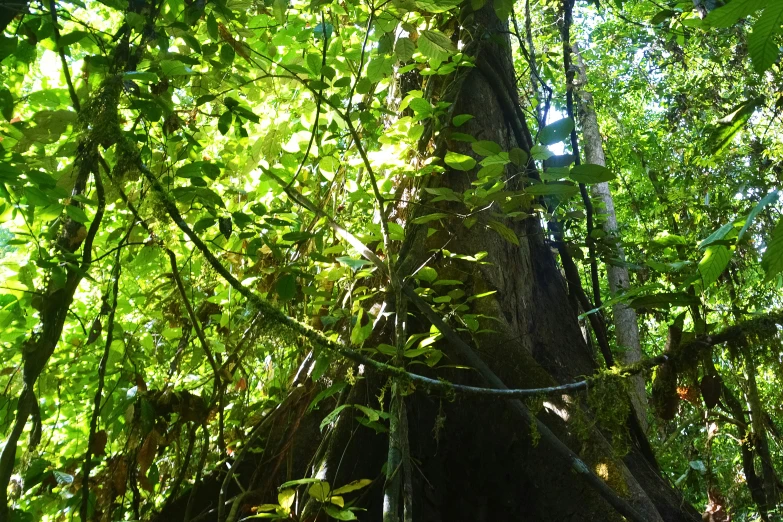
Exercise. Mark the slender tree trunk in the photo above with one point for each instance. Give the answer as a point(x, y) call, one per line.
point(626, 327)
point(769, 477)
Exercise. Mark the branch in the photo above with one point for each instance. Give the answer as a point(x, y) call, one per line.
point(96, 410)
point(61, 51)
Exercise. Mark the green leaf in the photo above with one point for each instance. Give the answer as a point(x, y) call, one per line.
point(727, 15)
point(360, 332)
point(563, 190)
point(354, 264)
point(772, 260)
point(320, 491)
point(666, 239)
point(224, 123)
point(485, 148)
point(339, 514)
point(518, 156)
point(6, 104)
point(716, 259)
point(72, 38)
point(762, 47)
point(504, 232)
point(212, 27)
point(460, 119)
point(286, 498)
point(556, 132)
point(436, 45)
point(727, 127)
point(302, 481)
point(718, 235)
point(437, 6)
point(286, 287)
point(430, 217)
point(379, 68)
point(352, 486)
point(175, 68)
point(9, 173)
point(279, 8)
point(427, 274)
point(590, 173)
point(298, 236)
point(459, 161)
point(404, 49)
point(540, 152)
point(76, 214)
point(766, 200)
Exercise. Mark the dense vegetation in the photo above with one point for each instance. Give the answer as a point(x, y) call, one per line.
point(237, 235)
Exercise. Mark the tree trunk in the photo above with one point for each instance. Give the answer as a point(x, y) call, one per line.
point(626, 328)
point(474, 460)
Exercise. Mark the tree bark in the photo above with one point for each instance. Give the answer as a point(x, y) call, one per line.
point(474, 459)
point(626, 327)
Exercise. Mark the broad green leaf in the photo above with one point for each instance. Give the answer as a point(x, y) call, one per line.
point(716, 259)
point(727, 127)
point(379, 68)
point(352, 486)
point(9, 173)
point(224, 123)
point(667, 239)
point(436, 45)
point(556, 131)
point(329, 166)
point(459, 161)
point(590, 173)
point(286, 287)
point(540, 152)
point(175, 68)
point(461, 119)
point(427, 274)
point(360, 332)
point(302, 481)
point(564, 190)
point(77, 214)
point(354, 264)
point(766, 200)
point(718, 235)
point(279, 8)
point(430, 217)
point(727, 15)
point(518, 156)
point(437, 6)
point(404, 49)
point(339, 514)
point(320, 491)
point(286, 498)
point(485, 148)
point(772, 260)
point(504, 232)
point(762, 45)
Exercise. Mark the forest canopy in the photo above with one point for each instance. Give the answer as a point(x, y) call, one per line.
point(391, 260)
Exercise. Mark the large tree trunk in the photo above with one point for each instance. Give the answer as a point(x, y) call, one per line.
point(474, 459)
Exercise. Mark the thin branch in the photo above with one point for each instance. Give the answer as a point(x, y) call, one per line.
point(61, 51)
point(113, 292)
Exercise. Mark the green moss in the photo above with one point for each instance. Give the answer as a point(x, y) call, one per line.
point(608, 399)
